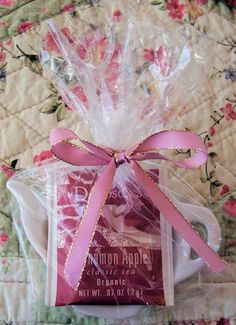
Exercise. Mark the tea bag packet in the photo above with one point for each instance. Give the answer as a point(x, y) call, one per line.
point(117, 233)
point(124, 264)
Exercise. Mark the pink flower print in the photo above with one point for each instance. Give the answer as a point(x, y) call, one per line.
point(225, 189)
point(159, 57)
point(44, 155)
point(117, 16)
point(212, 131)
point(161, 60)
point(8, 42)
point(209, 144)
point(228, 111)
point(6, 3)
point(3, 238)
point(81, 51)
point(2, 56)
point(71, 38)
point(94, 41)
point(8, 171)
point(148, 55)
point(94, 45)
point(79, 95)
point(176, 10)
point(49, 43)
point(115, 60)
point(230, 207)
point(112, 71)
point(69, 7)
point(24, 26)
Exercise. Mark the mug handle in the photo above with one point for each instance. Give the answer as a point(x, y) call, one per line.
point(184, 266)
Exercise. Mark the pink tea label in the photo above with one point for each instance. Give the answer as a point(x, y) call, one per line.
point(124, 265)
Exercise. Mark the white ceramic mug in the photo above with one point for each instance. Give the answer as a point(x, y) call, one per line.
point(184, 266)
point(35, 225)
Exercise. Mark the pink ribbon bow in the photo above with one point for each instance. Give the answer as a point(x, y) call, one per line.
point(97, 156)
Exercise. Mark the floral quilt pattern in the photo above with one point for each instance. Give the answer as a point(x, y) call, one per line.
point(21, 30)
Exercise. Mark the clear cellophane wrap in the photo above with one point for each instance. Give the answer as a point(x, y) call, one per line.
point(127, 80)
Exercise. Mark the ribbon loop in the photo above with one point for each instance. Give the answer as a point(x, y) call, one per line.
point(97, 156)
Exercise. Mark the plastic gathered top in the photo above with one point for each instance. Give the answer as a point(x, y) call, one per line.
point(125, 78)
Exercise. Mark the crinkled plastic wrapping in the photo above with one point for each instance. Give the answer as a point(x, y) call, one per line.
point(127, 80)
point(134, 258)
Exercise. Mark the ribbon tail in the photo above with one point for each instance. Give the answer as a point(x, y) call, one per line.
point(177, 220)
point(79, 249)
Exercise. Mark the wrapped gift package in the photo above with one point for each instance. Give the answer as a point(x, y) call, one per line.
point(105, 216)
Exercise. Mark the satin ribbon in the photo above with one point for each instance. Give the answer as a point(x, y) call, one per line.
point(93, 155)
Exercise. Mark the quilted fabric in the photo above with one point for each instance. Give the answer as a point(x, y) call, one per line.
point(17, 16)
point(30, 107)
